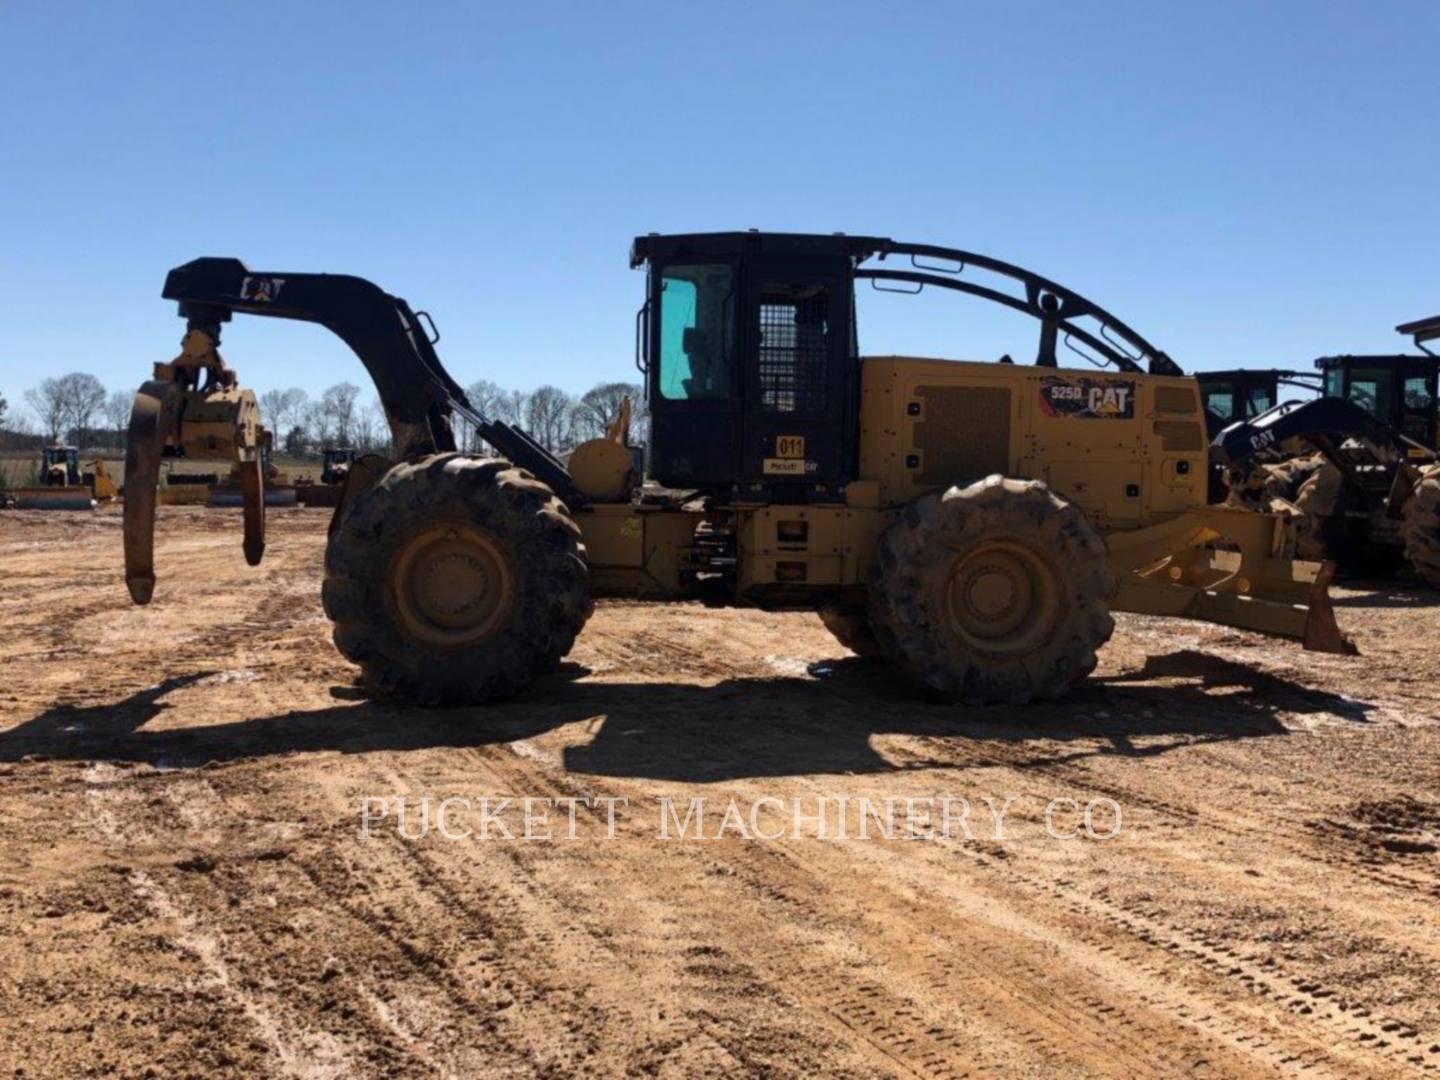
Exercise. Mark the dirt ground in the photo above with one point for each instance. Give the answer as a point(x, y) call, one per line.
point(186, 888)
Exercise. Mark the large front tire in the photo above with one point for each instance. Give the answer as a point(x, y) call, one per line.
point(455, 580)
point(850, 626)
point(1422, 526)
point(997, 593)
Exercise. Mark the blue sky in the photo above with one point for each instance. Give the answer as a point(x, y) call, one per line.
point(1243, 183)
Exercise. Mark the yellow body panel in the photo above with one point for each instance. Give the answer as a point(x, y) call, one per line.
point(636, 551)
point(1129, 449)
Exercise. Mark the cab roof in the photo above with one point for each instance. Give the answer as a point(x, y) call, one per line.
point(655, 246)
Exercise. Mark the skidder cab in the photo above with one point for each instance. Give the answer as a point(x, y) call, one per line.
point(973, 522)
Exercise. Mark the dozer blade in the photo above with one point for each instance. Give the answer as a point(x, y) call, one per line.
point(231, 495)
point(53, 498)
point(1227, 566)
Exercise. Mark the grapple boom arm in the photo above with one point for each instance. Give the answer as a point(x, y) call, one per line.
point(395, 343)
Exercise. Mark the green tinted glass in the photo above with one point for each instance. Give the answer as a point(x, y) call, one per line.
point(696, 331)
point(1221, 403)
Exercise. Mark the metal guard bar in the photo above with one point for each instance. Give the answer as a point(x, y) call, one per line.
point(1038, 292)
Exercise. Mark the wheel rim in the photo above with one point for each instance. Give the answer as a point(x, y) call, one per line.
point(452, 585)
point(1002, 597)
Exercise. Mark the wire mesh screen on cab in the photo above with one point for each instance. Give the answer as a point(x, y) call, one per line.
point(794, 346)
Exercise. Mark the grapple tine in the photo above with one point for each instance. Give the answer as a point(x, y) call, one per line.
point(151, 419)
point(252, 488)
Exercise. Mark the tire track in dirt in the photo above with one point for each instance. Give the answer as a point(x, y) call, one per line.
point(935, 1037)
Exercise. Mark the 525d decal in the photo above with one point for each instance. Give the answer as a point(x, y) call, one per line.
point(1088, 399)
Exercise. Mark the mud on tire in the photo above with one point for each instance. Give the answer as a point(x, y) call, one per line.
point(1422, 526)
point(994, 593)
point(455, 580)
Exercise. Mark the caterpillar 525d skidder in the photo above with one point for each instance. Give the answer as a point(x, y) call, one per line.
point(975, 523)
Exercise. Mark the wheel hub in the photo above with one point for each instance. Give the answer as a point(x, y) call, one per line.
point(1002, 597)
point(452, 585)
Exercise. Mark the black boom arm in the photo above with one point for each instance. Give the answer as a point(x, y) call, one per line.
point(1324, 423)
point(417, 393)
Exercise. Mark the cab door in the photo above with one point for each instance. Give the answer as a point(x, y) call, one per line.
point(801, 374)
point(694, 382)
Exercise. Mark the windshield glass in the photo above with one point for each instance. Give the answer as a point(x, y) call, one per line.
point(697, 334)
point(1373, 389)
point(1419, 409)
point(1334, 382)
point(1220, 400)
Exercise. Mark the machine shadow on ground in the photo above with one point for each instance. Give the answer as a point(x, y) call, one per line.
point(738, 728)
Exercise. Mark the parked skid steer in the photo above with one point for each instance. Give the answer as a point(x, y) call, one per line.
point(974, 523)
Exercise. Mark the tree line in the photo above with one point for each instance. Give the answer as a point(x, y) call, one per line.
point(77, 409)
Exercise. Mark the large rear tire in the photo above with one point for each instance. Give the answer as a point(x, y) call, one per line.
point(455, 580)
point(997, 593)
point(851, 628)
point(1422, 526)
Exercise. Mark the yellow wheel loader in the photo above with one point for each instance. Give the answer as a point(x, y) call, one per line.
point(973, 523)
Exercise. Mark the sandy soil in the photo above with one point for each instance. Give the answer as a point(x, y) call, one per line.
point(185, 889)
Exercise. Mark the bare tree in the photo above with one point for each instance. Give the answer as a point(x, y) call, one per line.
point(4, 406)
point(372, 430)
point(84, 397)
point(284, 410)
point(382, 441)
point(599, 406)
point(338, 405)
point(547, 416)
point(117, 414)
point(512, 406)
point(315, 422)
point(47, 402)
point(485, 396)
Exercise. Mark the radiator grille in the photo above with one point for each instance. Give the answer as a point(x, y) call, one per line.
point(1175, 399)
point(963, 433)
point(1180, 435)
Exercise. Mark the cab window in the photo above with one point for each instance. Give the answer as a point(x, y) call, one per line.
point(1221, 403)
point(1334, 382)
point(1419, 409)
point(1417, 395)
point(1373, 389)
point(1259, 401)
point(697, 338)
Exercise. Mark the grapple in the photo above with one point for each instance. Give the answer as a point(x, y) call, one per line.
point(191, 408)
